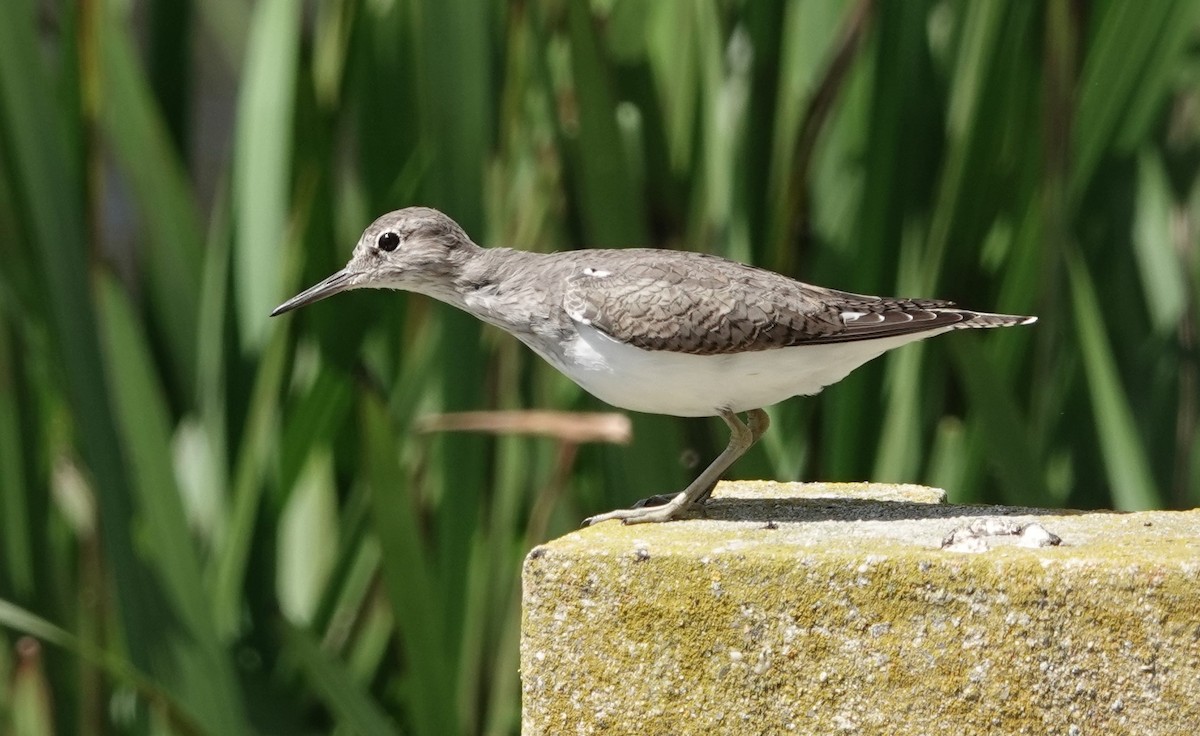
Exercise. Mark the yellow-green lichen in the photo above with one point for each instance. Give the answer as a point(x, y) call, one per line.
point(859, 622)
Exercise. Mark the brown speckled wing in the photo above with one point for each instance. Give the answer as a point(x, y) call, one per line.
point(705, 305)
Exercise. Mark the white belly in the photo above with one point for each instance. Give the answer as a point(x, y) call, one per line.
point(659, 382)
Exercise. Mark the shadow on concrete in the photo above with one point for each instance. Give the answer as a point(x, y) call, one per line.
point(799, 510)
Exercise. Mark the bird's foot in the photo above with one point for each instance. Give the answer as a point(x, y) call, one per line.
point(663, 499)
point(660, 499)
point(671, 507)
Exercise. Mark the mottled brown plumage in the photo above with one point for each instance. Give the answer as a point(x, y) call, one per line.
point(706, 305)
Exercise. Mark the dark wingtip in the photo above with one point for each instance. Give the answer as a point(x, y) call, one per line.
point(985, 319)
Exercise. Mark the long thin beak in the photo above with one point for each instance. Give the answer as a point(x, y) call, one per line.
point(335, 284)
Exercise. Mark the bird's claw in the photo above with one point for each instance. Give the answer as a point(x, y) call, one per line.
point(644, 512)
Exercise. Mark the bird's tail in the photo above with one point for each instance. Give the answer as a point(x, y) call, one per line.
point(987, 319)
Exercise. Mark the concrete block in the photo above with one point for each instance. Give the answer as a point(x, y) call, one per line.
point(865, 608)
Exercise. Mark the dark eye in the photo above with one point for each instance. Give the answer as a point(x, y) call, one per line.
point(388, 241)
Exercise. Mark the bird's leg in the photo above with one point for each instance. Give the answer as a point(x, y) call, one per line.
point(741, 437)
point(758, 422)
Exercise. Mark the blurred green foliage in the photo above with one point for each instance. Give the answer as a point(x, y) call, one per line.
point(213, 522)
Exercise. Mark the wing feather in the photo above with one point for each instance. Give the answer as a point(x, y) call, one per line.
point(705, 305)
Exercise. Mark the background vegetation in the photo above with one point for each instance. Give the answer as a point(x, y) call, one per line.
point(213, 522)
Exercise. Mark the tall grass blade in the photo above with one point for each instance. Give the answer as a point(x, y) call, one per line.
point(409, 576)
point(612, 211)
point(261, 164)
point(172, 254)
point(997, 419)
point(16, 519)
point(31, 710)
point(1163, 283)
point(353, 708)
point(123, 671)
point(307, 539)
point(228, 572)
point(1125, 72)
point(204, 674)
point(48, 188)
point(1131, 482)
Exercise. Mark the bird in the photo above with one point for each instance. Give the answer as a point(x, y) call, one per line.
point(651, 330)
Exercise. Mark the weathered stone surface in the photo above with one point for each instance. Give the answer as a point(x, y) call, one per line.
point(824, 611)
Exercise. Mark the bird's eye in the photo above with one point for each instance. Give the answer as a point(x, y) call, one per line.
point(388, 241)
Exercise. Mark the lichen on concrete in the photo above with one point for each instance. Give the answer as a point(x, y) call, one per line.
point(832, 608)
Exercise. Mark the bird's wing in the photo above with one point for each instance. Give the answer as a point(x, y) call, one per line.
point(704, 305)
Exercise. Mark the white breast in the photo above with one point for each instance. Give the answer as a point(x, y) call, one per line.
point(660, 382)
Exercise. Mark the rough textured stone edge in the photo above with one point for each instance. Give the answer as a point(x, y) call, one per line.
point(856, 620)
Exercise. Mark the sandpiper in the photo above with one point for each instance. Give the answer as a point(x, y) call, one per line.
point(656, 331)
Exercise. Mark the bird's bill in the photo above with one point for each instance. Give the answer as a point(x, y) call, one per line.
point(335, 284)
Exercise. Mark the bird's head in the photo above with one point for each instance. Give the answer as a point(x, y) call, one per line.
point(414, 249)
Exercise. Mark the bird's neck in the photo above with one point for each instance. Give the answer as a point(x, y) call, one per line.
point(502, 286)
